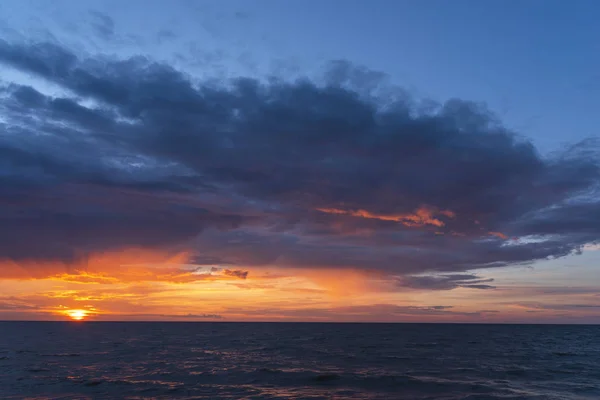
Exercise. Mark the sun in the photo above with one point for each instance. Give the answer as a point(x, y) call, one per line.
point(77, 315)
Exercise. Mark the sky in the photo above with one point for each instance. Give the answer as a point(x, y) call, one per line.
point(386, 161)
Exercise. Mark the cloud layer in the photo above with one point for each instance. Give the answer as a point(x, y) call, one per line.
point(343, 172)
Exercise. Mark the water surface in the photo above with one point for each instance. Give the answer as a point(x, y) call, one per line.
point(104, 360)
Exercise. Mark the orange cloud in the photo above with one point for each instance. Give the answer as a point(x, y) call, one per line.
point(131, 265)
point(499, 235)
point(421, 217)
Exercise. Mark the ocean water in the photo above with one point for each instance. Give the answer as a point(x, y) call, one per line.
point(105, 360)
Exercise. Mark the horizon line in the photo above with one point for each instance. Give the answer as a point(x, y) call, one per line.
point(314, 322)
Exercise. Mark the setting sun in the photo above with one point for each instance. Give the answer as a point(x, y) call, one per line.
point(77, 315)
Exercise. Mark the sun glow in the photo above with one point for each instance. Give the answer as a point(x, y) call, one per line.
point(77, 315)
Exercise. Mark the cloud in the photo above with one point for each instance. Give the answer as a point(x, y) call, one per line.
point(236, 273)
point(165, 35)
point(445, 282)
point(540, 307)
point(554, 290)
point(420, 218)
point(591, 247)
point(192, 316)
point(371, 312)
point(14, 304)
point(123, 266)
point(103, 25)
point(345, 172)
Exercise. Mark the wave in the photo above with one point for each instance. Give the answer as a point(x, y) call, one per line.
point(292, 361)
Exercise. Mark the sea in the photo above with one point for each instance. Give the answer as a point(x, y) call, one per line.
point(222, 360)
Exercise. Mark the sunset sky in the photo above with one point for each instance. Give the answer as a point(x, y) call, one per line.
point(266, 160)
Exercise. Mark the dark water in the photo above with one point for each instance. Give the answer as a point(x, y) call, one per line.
point(297, 361)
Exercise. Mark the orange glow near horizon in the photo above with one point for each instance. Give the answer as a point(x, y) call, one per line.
point(143, 286)
point(77, 315)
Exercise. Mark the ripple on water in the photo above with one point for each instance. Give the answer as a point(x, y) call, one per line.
point(293, 361)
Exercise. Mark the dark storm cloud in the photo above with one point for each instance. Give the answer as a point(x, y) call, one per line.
point(346, 172)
